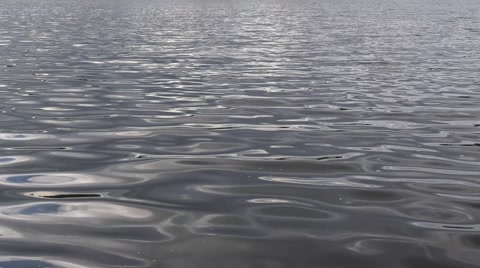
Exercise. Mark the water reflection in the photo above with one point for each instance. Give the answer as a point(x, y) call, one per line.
point(239, 134)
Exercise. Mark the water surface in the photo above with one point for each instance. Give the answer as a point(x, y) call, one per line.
point(258, 133)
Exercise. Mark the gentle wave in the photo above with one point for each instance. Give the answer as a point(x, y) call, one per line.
point(239, 134)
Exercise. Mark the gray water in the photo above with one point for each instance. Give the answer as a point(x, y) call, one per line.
point(257, 133)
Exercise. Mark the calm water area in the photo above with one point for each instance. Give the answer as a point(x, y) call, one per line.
point(239, 134)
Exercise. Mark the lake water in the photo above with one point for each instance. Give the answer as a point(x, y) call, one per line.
point(239, 134)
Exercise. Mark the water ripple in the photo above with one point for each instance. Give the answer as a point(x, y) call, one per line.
point(239, 134)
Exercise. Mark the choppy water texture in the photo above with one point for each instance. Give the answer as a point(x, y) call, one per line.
point(238, 134)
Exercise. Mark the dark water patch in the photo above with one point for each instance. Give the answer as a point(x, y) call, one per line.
point(458, 227)
point(37, 148)
point(471, 240)
point(59, 195)
point(376, 195)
